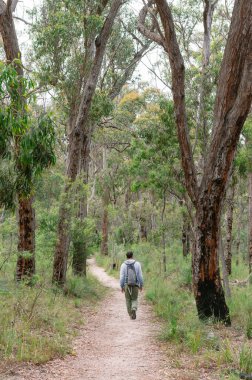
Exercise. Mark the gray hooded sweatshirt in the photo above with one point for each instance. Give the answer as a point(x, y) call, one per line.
point(123, 273)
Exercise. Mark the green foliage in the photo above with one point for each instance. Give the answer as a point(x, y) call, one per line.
point(13, 120)
point(62, 35)
point(83, 231)
point(84, 288)
point(36, 153)
point(246, 359)
point(27, 141)
point(102, 106)
point(7, 184)
point(155, 152)
point(5, 134)
point(241, 308)
point(14, 95)
point(123, 234)
point(243, 159)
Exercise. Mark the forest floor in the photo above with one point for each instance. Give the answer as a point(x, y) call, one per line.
point(112, 346)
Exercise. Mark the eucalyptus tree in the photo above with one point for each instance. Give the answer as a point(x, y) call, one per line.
point(232, 104)
point(79, 55)
point(32, 146)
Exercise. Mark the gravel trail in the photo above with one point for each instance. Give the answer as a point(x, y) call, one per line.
point(110, 346)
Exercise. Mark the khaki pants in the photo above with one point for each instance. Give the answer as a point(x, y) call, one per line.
point(131, 295)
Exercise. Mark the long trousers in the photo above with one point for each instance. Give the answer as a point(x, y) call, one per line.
point(131, 296)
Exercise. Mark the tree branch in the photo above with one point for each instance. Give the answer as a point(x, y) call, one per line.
point(24, 21)
point(11, 5)
point(131, 33)
point(128, 72)
point(155, 37)
point(2, 7)
point(82, 125)
point(233, 98)
point(178, 89)
point(156, 75)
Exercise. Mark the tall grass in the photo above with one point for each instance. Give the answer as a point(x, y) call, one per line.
point(38, 323)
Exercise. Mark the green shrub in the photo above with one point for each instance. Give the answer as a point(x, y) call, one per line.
point(83, 287)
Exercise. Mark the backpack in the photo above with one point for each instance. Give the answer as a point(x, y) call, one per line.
point(131, 277)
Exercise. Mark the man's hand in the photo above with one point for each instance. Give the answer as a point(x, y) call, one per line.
point(141, 289)
point(122, 289)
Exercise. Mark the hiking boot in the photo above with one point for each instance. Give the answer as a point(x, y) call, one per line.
point(133, 314)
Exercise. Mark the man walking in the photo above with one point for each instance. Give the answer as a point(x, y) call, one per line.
point(131, 280)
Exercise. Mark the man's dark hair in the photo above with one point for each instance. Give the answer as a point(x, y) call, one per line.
point(129, 255)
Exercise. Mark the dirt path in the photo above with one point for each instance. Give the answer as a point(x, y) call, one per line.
point(110, 345)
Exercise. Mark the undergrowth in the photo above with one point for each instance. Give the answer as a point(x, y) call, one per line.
point(38, 323)
point(171, 295)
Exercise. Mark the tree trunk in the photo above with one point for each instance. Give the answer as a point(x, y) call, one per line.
point(62, 245)
point(229, 226)
point(26, 245)
point(79, 264)
point(142, 229)
point(250, 221)
point(208, 291)
point(78, 134)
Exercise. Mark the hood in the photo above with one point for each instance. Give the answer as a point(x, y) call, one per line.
point(130, 261)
